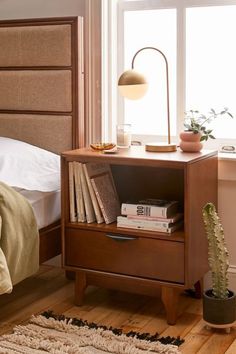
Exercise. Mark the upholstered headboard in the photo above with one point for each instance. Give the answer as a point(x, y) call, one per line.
point(41, 82)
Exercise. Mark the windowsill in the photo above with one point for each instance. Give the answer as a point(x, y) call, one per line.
point(226, 166)
point(226, 156)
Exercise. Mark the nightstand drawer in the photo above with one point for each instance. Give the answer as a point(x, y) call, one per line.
point(129, 255)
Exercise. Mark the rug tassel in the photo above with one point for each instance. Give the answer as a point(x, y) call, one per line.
point(143, 336)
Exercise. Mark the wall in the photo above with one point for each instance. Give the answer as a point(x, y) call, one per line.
point(15, 9)
point(227, 212)
point(227, 209)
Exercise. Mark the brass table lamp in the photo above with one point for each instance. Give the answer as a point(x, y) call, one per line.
point(133, 85)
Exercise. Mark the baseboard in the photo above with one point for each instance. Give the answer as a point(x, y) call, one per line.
point(232, 279)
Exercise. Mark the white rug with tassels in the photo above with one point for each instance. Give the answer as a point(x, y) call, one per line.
point(49, 335)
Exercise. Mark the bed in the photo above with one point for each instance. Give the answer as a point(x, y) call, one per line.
point(42, 94)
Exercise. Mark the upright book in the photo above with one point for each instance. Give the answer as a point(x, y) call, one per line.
point(81, 216)
point(151, 208)
point(91, 170)
point(89, 210)
point(72, 193)
point(105, 191)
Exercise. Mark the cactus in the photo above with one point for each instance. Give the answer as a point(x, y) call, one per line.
point(218, 256)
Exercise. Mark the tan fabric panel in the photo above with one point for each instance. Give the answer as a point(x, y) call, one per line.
point(35, 46)
point(38, 90)
point(53, 133)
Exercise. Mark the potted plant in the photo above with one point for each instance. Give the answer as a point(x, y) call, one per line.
point(195, 129)
point(219, 303)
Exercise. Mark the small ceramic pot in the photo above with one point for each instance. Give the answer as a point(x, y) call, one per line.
point(190, 142)
point(219, 311)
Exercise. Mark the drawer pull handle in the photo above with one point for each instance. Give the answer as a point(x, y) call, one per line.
point(121, 237)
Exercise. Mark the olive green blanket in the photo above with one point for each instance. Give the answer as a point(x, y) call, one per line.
point(19, 240)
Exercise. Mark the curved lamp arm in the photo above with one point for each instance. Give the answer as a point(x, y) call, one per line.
point(167, 83)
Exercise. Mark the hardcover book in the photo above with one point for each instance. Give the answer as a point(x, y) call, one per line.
point(151, 208)
point(107, 197)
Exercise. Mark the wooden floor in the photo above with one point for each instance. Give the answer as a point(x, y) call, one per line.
point(49, 289)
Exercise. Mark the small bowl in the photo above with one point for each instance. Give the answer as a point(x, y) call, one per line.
point(102, 146)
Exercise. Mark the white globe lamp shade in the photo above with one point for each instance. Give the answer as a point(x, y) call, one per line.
point(132, 85)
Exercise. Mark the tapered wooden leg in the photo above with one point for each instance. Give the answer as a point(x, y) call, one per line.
point(80, 286)
point(198, 286)
point(170, 297)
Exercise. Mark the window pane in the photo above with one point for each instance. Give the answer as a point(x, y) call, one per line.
point(210, 63)
point(155, 28)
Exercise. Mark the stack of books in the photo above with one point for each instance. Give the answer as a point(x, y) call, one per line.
point(151, 214)
point(92, 193)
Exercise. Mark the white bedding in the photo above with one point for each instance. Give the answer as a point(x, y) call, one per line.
point(46, 205)
point(27, 166)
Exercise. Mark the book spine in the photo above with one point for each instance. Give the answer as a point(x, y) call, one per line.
point(175, 218)
point(145, 210)
point(81, 217)
point(72, 193)
point(142, 222)
point(97, 209)
point(145, 227)
point(107, 221)
point(90, 214)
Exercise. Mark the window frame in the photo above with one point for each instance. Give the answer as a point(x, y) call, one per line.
point(115, 10)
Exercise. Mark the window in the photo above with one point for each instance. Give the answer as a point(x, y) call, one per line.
point(160, 32)
point(210, 63)
point(197, 38)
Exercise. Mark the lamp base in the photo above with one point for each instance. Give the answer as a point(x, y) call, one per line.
point(160, 147)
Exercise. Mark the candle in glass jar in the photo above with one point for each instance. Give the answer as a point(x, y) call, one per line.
point(124, 135)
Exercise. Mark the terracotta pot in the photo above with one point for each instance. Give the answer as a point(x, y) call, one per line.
point(219, 311)
point(190, 142)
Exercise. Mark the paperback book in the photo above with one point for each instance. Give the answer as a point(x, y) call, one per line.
point(148, 225)
point(81, 217)
point(170, 220)
point(72, 193)
point(89, 210)
point(91, 170)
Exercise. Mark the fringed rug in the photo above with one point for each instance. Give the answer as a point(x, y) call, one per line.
point(49, 333)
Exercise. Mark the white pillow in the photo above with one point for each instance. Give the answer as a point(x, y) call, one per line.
point(26, 166)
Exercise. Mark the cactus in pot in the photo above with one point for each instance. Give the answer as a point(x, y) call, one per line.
point(218, 256)
point(219, 303)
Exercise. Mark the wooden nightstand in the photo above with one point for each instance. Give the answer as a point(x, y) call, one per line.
point(135, 260)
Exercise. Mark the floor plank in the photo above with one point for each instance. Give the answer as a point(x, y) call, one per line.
point(49, 289)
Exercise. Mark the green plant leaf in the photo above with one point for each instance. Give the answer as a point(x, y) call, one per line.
point(196, 121)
